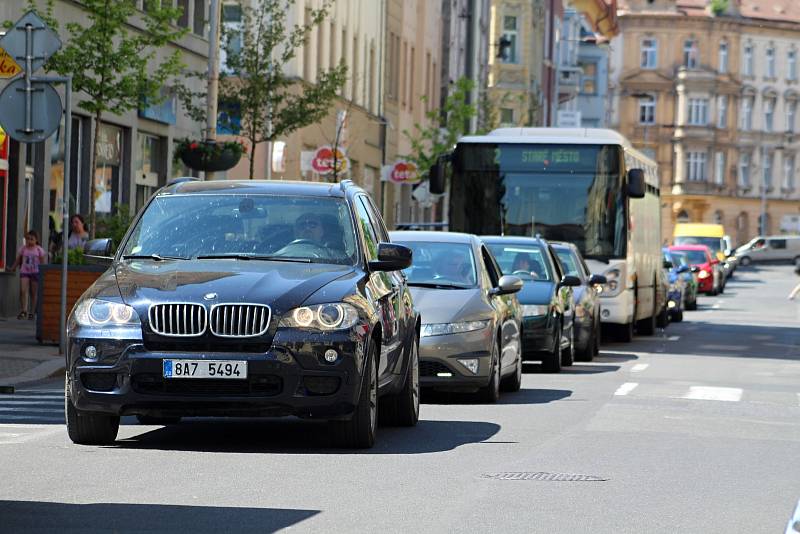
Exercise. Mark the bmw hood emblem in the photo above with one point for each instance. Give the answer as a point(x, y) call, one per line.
point(209, 296)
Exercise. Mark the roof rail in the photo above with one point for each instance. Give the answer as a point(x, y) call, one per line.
point(344, 184)
point(181, 179)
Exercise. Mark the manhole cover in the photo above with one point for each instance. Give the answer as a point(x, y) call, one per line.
point(547, 477)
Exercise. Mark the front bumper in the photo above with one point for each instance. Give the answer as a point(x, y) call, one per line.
point(291, 378)
point(439, 360)
point(618, 309)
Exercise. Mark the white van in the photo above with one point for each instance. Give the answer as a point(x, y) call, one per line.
point(776, 248)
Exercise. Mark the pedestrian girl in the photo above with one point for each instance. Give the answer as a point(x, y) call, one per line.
point(30, 256)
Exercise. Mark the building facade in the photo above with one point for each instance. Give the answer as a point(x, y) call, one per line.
point(135, 151)
point(712, 97)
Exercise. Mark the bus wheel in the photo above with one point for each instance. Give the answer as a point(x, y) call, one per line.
point(625, 332)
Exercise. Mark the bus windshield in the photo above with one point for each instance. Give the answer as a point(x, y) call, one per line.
point(570, 193)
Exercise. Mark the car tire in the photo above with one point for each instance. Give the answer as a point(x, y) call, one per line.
point(359, 431)
point(597, 336)
point(490, 393)
point(677, 317)
point(692, 305)
point(663, 318)
point(568, 356)
point(86, 428)
point(745, 261)
point(402, 409)
point(551, 361)
point(588, 352)
point(625, 332)
point(152, 420)
point(647, 326)
point(514, 382)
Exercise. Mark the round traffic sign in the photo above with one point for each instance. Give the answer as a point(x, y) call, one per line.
point(46, 111)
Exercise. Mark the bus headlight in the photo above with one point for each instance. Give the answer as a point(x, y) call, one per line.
point(615, 281)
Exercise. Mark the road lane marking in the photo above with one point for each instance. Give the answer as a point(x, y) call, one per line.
point(714, 393)
point(673, 338)
point(793, 527)
point(715, 306)
point(639, 367)
point(798, 398)
point(55, 409)
point(626, 388)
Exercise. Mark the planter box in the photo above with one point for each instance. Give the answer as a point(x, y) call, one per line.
point(48, 313)
point(197, 160)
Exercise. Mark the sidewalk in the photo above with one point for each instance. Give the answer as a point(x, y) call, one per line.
point(22, 358)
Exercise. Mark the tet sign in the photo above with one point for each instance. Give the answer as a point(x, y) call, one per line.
point(325, 158)
point(402, 172)
point(8, 67)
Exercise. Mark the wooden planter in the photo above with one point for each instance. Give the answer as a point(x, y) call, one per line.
point(48, 313)
point(197, 160)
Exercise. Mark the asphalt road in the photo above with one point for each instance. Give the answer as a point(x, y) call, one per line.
point(694, 430)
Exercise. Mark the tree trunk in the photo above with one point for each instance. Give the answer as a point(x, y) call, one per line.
point(252, 159)
point(92, 177)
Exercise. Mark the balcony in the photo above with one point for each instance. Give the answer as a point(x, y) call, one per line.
point(569, 82)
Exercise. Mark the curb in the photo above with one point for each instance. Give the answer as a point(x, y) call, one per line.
point(48, 369)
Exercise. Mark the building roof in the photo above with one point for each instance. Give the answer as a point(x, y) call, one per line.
point(776, 10)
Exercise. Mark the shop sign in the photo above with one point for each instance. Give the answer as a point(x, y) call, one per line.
point(324, 159)
point(402, 172)
point(8, 67)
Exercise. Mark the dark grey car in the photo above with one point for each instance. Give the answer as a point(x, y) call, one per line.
point(587, 300)
point(471, 318)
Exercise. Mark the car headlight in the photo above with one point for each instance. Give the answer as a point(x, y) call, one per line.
point(96, 312)
point(441, 329)
point(703, 274)
point(334, 316)
point(534, 310)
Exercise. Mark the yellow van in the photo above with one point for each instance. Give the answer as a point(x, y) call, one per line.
point(710, 235)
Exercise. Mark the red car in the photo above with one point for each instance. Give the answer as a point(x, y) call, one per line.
point(708, 272)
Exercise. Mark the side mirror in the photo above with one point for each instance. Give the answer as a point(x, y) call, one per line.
point(391, 257)
point(99, 251)
point(597, 280)
point(437, 175)
point(683, 269)
point(507, 285)
point(668, 264)
point(729, 253)
point(636, 186)
point(714, 261)
point(695, 269)
point(570, 281)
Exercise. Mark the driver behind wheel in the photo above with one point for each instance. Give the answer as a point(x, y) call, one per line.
point(524, 263)
point(454, 267)
point(309, 226)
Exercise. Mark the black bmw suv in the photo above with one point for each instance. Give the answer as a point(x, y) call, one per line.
point(247, 298)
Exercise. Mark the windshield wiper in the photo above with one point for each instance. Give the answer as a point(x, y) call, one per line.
point(252, 257)
point(155, 257)
point(434, 285)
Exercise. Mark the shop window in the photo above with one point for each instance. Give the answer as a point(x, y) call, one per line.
point(149, 175)
point(107, 168)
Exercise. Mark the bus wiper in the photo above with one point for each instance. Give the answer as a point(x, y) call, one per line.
point(434, 285)
point(154, 257)
point(252, 257)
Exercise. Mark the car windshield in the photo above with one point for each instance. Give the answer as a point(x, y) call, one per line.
point(301, 228)
point(713, 243)
point(695, 257)
point(524, 261)
point(441, 264)
point(678, 258)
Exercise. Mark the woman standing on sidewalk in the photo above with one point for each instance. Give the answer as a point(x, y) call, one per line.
point(77, 233)
point(30, 256)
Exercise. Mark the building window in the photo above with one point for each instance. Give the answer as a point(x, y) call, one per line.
point(747, 60)
point(199, 18)
point(697, 166)
point(698, 111)
point(722, 111)
point(769, 114)
point(683, 216)
point(719, 168)
point(506, 117)
point(589, 79)
point(747, 113)
point(647, 110)
point(183, 20)
point(649, 53)
point(510, 35)
point(791, 115)
point(718, 217)
point(723, 57)
point(770, 68)
point(690, 54)
point(791, 65)
point(788, 172)
point(744, 169)
point(148, 167)
point(766, 179)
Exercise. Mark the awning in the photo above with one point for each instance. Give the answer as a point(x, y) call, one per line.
point(601, 15)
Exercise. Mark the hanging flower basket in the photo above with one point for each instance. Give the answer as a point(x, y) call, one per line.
point(210, 156)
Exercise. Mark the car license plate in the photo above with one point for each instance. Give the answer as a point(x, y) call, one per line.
point(205, 369)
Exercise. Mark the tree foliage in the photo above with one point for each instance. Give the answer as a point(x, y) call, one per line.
point(444, 127)
point(266, 102)
point(114, 65)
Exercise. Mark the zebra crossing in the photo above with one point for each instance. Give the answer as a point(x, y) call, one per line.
point(32, 406)
point(706, 393)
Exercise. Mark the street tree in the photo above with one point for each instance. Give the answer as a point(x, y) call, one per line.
point(263, 102)
point(443, 128)
point(113, 60)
